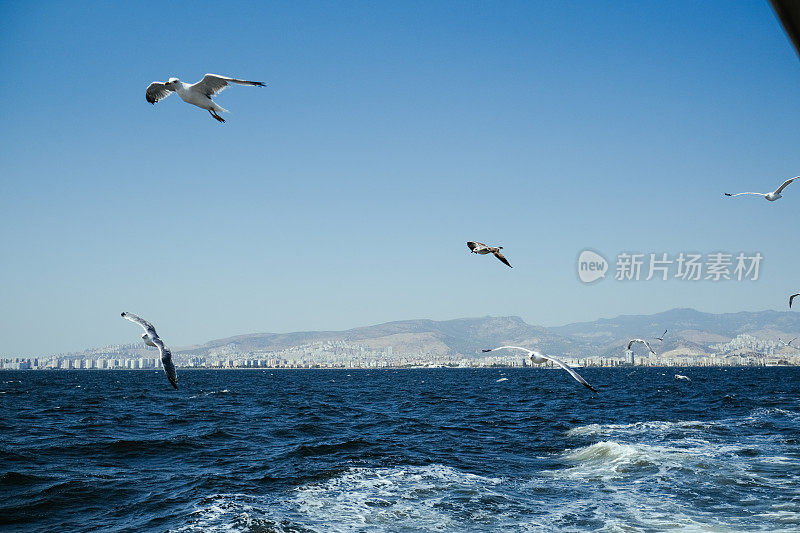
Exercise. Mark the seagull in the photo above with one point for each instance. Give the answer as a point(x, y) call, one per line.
point(540, 358)
point(643, 342)
point(787, 343)
point(661, 338)
point(681, 377)
point(151, 339)
point(792, 297)
point(198, 94)
point(771, 196)
point(480, 248)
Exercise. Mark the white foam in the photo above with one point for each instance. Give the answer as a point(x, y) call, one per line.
point(606, 486)
point(209, 393)
point(655, 427)
point(429, 498)
point(434, 497)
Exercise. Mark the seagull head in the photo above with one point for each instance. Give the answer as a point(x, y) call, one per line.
point(536, 357)
point(172, 82)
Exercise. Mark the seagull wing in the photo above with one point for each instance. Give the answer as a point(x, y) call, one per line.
point(572, 373)
point(631, 343)
point(786, 184)
point(741, 193)
point(789, 16)
point(649, 348)
point(148, 327)
point(156, 91)
point(166, 360)
point(212, 84)
point(509, 348)
point(472, 245)
point(498, 255)
point(792, 297)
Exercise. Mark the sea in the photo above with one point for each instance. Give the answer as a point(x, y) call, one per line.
point(450, 450)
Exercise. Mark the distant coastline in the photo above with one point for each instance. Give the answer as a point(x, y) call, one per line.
point(693, 338)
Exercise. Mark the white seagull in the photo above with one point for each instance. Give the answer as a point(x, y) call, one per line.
point(771, 196)
point(787, 343)
point(681, 377)
point(151, 339)
point(480, 248)
point(661, 338)
point(198, 94)
point(643, 342)
point(792, 297)
point(539, 358)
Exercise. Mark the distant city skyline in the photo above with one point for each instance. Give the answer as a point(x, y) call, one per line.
point(388, 135)
point(691, 338)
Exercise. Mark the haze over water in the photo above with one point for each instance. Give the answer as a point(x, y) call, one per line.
point(406, 450)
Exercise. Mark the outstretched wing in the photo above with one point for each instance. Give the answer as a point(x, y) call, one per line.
point(166, 360)
point(789, 14)
point(502, 259)
point(148, 327)
point(212, 84)
point(792, 297)
point(157, 91)
point(786, 184)
point(572, 373)
point(741, 193)
point(643, 342)
point(661, 338)
point(509, 348)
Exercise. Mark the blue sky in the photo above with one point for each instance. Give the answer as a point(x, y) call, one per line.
point(389, 134)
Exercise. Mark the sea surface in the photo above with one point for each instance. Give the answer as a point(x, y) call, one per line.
point(407, 450)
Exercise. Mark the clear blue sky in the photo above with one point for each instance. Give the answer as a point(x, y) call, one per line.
point(389, 134)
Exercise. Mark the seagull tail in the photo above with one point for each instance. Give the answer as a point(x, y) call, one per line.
point(218, 108)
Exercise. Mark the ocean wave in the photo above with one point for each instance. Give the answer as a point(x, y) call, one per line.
point(310, 450)
point(21, 479)
point(608, 459)
point(414, 498)
point(650, 427)
point(209, 393)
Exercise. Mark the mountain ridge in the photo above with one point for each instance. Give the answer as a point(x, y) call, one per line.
point(689, 330)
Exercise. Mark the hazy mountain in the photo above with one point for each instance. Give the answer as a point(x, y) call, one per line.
point(465, 336)
point(690, 332)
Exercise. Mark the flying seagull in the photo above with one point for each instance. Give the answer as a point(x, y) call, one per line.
point(771, 196)
point(788, 12)
point(480, 248)
point(787, 343)
point(661, 338)
point(540, 358)
point(792, 297)
point(643, 342)
point(681, 377)
point(198, 94)
point(151, 338)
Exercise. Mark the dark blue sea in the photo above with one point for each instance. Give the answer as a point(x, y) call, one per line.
point(407, 450)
